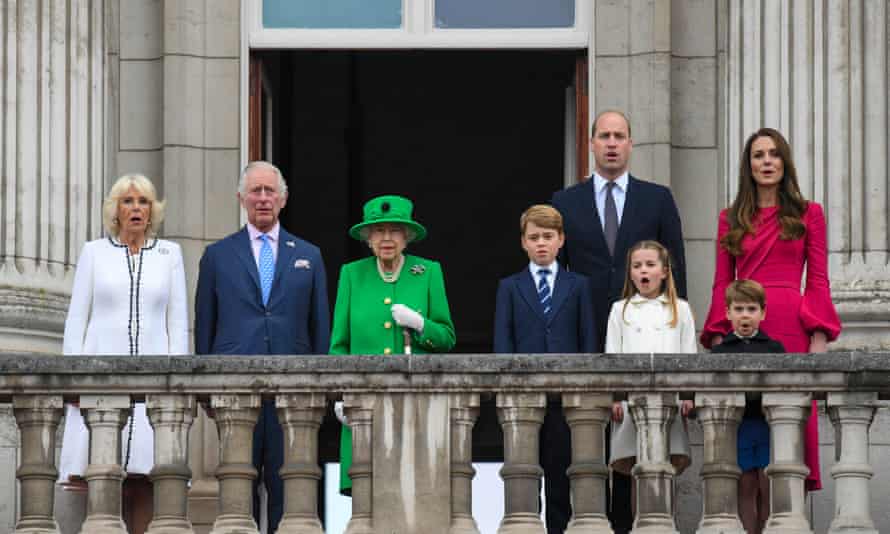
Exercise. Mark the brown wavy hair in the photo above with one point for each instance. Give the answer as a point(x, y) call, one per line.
point(792, 204)
point(667, 285)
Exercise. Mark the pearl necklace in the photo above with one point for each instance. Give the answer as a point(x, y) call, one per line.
point(391, 277)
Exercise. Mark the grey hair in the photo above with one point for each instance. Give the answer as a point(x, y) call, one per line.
point(259, 164)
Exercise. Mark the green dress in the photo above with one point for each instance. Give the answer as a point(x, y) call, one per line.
point(363, 322)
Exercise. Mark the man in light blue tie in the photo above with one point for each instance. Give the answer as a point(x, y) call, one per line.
point(263, 291)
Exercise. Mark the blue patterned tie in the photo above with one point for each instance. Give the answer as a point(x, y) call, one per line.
point(544, 290)
point(267, 268)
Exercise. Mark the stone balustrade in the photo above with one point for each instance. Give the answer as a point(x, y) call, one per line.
point(412, 420)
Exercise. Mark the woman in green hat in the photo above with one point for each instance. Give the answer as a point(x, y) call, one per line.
point(391, 302)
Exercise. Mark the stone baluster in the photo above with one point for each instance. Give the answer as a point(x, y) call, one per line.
point(588, 414)
point(37, 418)
point(521, 416)
point(360, 414)
point(300, 415)
point(653, 474)
point(171, 418)
point(787, 414)
point(464, 411)
point(105, 416)
point(719, 415)
point(236, 417)
point(852, 415)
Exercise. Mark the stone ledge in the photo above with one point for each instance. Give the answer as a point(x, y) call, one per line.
point(820, 373)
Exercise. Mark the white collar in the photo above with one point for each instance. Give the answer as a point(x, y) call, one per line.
point(640, 299)
point(599, 183)
point(534, 268)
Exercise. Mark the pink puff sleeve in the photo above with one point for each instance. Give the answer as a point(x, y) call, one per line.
point(817, 310)
point(724, 273)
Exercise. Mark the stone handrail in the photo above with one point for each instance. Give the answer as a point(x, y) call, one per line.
point(436, 398)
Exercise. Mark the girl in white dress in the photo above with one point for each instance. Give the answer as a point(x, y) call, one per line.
point(128, 298)
point(650, 318)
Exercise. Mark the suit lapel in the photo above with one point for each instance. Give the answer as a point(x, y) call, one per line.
point(628, 217)
point(563, 286)
point(284, 260)
point(529, 292)
point(244, 252)
point(588, 204)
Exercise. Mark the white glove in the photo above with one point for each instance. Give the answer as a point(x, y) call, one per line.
point(408, 318)
point(338, 411)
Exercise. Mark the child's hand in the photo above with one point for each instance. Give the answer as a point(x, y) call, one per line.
point(617, 412)
point(686, 407)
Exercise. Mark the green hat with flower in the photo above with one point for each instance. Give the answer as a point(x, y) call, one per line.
point(389, 209)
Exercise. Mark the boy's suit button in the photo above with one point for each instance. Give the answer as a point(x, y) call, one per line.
point(387, 350)
point(387, 300)
point(268, 314)
point(387, 325)
point(266, 339)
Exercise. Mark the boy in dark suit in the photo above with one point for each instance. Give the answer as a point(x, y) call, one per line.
point(546, 309)
point(745, 309)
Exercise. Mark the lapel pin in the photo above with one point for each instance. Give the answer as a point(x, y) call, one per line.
point(302, 264)
point(418, 269)
point(291, 244)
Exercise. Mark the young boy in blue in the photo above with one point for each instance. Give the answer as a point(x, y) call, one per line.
point(745, 309)
point(546, 309)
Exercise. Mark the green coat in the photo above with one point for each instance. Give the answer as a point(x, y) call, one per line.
point(363, 322)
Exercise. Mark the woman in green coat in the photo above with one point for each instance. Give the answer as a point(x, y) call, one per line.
point(389, 303)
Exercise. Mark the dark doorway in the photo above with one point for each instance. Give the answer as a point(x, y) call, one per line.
point(472, 137)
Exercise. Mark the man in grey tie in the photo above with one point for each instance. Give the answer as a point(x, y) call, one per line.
point(263, 290)
point(603, 217)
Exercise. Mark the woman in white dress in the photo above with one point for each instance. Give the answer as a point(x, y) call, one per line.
point(129, 298)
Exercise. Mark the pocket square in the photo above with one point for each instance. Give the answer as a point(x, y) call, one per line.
point(302, 264)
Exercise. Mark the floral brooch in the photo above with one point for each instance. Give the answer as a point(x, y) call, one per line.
point(418, 269)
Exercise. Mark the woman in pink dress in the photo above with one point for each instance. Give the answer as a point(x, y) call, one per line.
point(771, 233)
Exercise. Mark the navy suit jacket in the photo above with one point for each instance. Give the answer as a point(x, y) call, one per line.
point(229, 314)
point(520, 325)
point(649, 213)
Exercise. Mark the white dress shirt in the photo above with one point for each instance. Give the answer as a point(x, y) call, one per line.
point(551, 278)
point(619, 192)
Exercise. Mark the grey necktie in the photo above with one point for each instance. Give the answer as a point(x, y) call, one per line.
point(610, 214)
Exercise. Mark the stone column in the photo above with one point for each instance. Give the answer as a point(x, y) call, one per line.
point(360, 414)
point(300, 416)
point(852, 415)
point(37, 418)
point(817, 71)
point(787, 414)
point(719, 415)
point(587, 415)
point(171, 418)
point(236, 417)
point(52, 159)
point(464, 411)
point(105, 416)
point(521, 416)
point(653, 474)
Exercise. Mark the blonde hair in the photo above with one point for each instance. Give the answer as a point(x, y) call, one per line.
point(144, 187)
point(667, 285)
point(541, 215)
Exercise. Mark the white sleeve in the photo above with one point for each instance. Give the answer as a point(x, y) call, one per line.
point(614, 329)
point(79, 306)
point(177, 309)
point(688, 344)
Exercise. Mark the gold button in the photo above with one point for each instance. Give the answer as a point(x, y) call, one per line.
point(387, 300)
point(387, 325)
point(387, 350)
